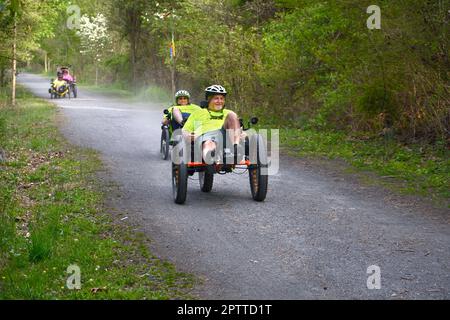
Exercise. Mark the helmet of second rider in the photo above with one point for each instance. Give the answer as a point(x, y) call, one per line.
point(180, 94)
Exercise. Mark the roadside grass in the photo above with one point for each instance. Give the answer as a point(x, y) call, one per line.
point(156, 94)
point(151, 93)
point(105, 89)
point(52, 216)
point(411, 169)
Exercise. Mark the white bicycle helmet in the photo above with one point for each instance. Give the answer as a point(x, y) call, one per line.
point(215, 89)
point(182, 93)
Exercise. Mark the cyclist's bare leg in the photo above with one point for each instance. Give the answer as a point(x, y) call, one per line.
point(232, 123)
point(177, 115)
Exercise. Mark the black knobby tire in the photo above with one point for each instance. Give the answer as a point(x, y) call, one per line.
point(164, 149)
point(206, 180)
point(74, 91)
point(179, 179)
point(179, 182)
point(257, 172)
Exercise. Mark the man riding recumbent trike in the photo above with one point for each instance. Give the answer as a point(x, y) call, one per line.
point(214, 141)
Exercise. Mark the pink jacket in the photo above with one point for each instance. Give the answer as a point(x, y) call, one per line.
point(68, 77)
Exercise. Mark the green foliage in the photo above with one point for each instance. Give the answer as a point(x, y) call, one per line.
point(118, 66)
point(313, 60)
point(155, 94)
point(2, 128)
point(377, 100)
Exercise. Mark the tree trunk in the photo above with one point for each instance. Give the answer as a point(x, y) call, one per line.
point(133, 16)
point(133, 59)
point(2, 76)
point(14, 66)
point(45, 62)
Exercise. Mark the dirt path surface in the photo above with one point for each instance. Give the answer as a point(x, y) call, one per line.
point(314, 236)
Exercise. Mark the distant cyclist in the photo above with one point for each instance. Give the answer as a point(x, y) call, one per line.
point(66, 75)
point(181, 110)
point(59, 81)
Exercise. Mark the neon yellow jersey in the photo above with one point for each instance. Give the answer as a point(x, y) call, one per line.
point(58, 83)
point(204, 120)
point(190, 108)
